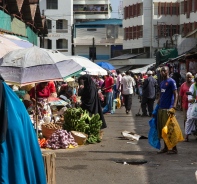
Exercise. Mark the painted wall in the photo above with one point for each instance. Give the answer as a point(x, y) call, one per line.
point(65, 12)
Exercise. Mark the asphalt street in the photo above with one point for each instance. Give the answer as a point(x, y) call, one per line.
point(117, 160)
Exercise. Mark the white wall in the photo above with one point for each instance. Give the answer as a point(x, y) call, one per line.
point(64, 11)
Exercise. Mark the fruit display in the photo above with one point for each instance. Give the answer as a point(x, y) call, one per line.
point(77, 119)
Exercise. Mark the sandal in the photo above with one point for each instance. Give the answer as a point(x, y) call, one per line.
point(172, 151)
point(162, 151)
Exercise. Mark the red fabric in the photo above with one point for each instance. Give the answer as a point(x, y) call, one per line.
point(74, 98)
point(41, 93)
point(184, 88)
point(109, 81)
point(51, 86)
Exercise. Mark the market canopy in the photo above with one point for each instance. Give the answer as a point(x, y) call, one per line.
point(164, 55)
point(142, 69)
point(106, 65)
point(9, 43)
point(90, 67)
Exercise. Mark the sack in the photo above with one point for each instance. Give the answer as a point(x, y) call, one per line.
point(171, 132)
point(153, 138)
point(193, 112)
point(118, 103)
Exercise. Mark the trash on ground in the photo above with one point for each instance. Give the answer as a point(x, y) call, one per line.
point(132, 136)
point(131, 162)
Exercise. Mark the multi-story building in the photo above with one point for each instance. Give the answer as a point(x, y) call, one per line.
point(152, 24)
point(99, 40)
point(62, 14)
point(59, 15)
point(85, 10)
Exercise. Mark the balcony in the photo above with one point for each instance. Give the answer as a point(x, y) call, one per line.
point(61, 30)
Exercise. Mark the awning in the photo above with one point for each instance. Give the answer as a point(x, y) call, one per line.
point(142, 69)
point(9, 43)
point(125, 56)
point(124, 68)
point(18, 41)
point(191, 33)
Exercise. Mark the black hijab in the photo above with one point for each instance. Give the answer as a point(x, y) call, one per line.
point(3, 113)
point(89, 97)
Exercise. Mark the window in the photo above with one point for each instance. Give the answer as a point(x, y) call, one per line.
point(62, 44)
point(91, 29)
point(92, 53)
point(49, 44)
point(52, 4)
point(49, 24)
point(59, 24)
point(162, 8)
point(182, 7)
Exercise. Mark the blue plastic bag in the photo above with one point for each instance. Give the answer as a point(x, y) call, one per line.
point(153, 135)
point(153, 138)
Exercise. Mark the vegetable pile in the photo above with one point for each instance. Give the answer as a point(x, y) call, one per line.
point(42, 142)
point(77, 119)
point(61, 139)
point(52, 126)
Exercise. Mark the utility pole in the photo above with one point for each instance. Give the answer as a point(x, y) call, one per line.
point(93, 50)
point(157, 35)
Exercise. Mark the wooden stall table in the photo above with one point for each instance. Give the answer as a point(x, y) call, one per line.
point(49, 164)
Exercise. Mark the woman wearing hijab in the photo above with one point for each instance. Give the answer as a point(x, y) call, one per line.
point(89, 97)
point(20, 156)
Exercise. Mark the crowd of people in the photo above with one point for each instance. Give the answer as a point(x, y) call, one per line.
point(97, 94)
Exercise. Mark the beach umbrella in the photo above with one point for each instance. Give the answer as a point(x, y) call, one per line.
point(33, 65)
point(106, 65)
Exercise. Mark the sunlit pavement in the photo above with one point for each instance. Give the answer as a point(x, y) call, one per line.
point(117, 160)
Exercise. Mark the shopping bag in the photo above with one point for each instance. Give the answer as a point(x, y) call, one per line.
point(153, 138)
point(194, 111)
point(171, 132)
point(118, 102)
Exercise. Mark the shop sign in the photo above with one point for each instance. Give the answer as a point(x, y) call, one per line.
point(54, 35)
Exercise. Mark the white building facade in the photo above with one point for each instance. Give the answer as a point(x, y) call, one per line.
point(152, 24)
point(90, 10)
point(99, 40)
point(59, 15)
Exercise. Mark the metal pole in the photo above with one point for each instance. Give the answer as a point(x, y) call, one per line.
point(93, 50)
point(157, 35)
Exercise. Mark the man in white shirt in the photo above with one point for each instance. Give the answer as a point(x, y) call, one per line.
point(127, 89)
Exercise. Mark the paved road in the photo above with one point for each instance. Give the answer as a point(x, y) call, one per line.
point(97, 163)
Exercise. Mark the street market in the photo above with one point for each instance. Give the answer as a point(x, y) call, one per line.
point(87, 97)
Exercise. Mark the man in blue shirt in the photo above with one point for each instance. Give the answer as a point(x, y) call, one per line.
point(167, 103)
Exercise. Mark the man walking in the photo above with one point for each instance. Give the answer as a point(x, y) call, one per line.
point(167, 103)
point(127, 89)
point(148, 94)
point(109, 83)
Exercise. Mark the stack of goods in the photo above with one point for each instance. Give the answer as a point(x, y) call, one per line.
point(61, 139)
point(77, 119)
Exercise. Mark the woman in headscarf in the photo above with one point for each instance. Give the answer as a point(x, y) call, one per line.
point(89, 97)
point(20, 156)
